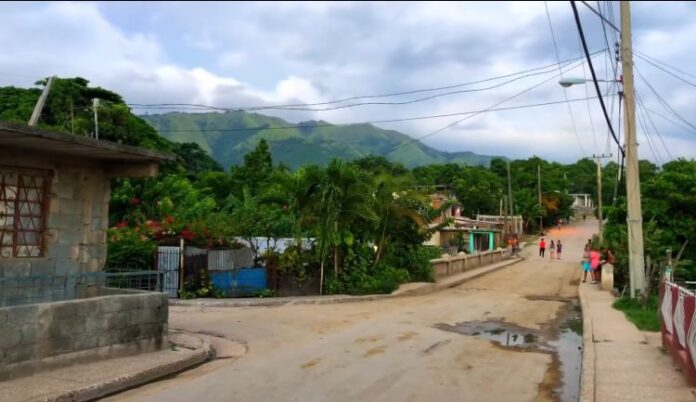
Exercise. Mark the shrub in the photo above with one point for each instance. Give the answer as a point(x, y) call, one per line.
point(415, 260)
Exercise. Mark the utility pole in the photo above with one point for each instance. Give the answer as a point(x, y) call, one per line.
point(636, 257)
point(599, 193)
point(40, 103)
point(95, 107)
point(541, 210)
point(512, 211)
point(72, 117)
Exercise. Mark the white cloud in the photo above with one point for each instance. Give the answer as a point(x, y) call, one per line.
point(249, 54)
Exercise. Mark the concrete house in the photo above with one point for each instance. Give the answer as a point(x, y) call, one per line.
point(54, 306)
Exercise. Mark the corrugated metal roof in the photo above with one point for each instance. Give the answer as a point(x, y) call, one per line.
point(24, 137)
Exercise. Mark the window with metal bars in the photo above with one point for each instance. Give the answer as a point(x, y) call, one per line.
point(23, 197)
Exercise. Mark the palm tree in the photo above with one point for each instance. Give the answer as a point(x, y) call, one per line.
point(343, 198)
point(395, 200)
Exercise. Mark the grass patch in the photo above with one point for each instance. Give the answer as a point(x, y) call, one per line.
point(646, 319)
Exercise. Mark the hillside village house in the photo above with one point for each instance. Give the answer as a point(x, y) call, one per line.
point(54, 199)
point(481, 234)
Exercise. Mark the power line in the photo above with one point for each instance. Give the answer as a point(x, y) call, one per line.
point(287, 106)
point(649, 119)
point(601, 16)
point(664, 103)
point(594, 76)
point(665, 70)
point(638, 53)
point(411, 101)
point(565, 94)
point(300, 125)
point(477, 113)
point(676, 123)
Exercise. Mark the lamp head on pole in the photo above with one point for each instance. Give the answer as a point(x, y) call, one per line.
point(568, 82)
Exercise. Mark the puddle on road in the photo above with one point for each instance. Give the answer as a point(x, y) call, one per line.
point(564, 343)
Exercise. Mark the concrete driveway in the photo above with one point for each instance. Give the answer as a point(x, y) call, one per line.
point(390, 350)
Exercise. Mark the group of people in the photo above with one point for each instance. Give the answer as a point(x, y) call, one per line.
point(592, 260)
point(555, 249)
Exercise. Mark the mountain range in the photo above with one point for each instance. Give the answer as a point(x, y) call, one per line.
point(228, 136)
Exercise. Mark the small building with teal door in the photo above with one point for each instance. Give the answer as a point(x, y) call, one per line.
point(481, 240)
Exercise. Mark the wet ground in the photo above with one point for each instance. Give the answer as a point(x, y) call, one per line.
point(562, 340)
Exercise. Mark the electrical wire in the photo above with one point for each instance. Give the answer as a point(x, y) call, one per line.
point(663, 102)
point(665, 70)
point(565, 94)
point(436, 116)
point(529, 72)
point(601, 16)
point(594, 75)
point(648, 119)
point(454, 123)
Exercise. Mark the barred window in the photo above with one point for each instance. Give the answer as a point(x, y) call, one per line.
point(22, 213)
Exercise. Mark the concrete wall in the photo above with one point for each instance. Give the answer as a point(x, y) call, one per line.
point(76, 223)
point(452, 265)
point(43, 336)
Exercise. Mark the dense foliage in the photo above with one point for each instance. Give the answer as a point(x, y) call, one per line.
point(359, 223)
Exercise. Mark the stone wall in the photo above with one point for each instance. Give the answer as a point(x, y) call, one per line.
point(48, 335)
point(75, 226)
point(452, 265)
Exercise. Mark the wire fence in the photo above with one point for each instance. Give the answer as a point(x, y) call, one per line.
point(20, 290)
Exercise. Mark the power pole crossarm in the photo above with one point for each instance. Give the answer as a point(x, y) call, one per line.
point(40, 103)
point(636, 259)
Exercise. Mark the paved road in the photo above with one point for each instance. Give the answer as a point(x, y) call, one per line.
point(389, 350)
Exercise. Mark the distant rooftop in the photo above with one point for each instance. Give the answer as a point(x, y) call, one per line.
point(22, 136)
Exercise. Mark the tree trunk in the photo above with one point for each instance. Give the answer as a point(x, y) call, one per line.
point(335, 261)
point(335, 253)
point(380, 246)
point(321, 277)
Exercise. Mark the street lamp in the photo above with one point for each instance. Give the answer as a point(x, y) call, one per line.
point(568, 82)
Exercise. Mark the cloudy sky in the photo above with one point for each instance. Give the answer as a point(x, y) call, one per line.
point(259, 54)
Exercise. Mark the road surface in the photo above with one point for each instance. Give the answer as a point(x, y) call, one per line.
point(389, 350)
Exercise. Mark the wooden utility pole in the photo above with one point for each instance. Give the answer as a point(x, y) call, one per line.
point(599, 193)
point(95, 107)
point(541, 207)
point(636, 257)
point(40, 103)
point(512, 211)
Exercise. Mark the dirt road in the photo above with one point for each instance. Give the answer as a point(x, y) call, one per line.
point(403, 349)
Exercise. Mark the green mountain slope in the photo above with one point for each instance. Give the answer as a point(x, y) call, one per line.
point(308, 142)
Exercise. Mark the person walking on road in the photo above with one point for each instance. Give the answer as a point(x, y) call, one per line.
point(595, 258)
point(552, 249)
point(586, 263)
point(542, 248)
point(559, 248)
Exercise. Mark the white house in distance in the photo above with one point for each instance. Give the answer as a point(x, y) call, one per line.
point(582, 204)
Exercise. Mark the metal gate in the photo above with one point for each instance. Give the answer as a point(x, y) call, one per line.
point(195, 265)
point(168, 260)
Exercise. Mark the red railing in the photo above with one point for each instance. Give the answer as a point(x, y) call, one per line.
point(678, 326)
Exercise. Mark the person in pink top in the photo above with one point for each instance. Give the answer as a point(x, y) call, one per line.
point(542, 247)
point(595, 258)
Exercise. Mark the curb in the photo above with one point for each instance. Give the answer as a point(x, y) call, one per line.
point(436, 287)
point(270, 302)
point(123, 383)
point(587, 373)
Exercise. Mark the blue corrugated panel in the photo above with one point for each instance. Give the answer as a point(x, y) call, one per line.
point(239, 282)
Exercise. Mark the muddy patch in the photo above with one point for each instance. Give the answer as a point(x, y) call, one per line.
point(375, 351)
point(499, 332)
point(368, 339)
point(407, 336)
point(562, 339)
point(310, 363)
